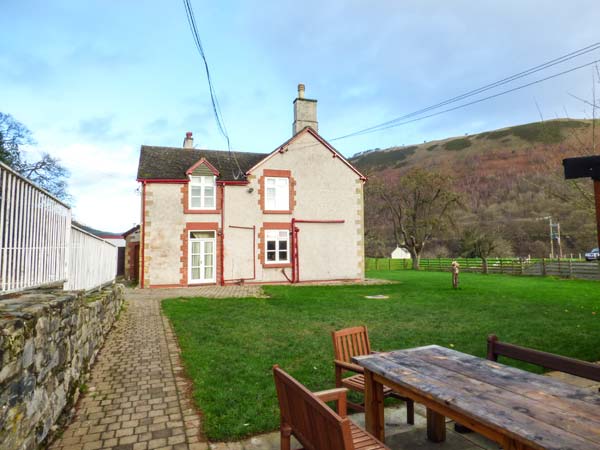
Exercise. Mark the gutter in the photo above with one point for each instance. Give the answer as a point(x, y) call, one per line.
point(143, 233)
point(222, 235)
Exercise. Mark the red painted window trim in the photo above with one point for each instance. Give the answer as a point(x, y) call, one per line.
point(198, 226)
point(262, 243)
point(203, 161)
point(185, 202)
point(262, 192)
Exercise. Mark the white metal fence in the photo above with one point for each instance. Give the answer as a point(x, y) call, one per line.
point(92, 261)
point(38, 244)
point(34, 233)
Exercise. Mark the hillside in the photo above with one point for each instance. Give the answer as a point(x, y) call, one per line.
point(510, 176)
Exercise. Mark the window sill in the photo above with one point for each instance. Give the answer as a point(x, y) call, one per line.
point(277, 265)
point(271, 211)
point(201, 211)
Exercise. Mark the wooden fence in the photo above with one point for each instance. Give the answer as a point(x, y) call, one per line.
point(568, 268)
point(36, 239)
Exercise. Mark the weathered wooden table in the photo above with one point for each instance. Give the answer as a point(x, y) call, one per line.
point(515, 408)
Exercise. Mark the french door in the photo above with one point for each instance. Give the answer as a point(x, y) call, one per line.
point(201, 257)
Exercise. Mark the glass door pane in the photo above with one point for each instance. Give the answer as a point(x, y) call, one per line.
point(202, 257)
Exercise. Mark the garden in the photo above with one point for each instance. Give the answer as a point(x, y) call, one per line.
point(229, 345)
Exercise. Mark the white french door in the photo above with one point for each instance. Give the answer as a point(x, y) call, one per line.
point(201, 257)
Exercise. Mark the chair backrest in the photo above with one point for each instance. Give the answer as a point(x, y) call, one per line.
point(351, 342)
point(312, 422)
point(564, 364)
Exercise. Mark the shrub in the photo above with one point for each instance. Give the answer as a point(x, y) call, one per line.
point(457, 144)
point(499, 134)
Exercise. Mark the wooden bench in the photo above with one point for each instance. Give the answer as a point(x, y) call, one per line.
point(305, 416)
point(351, 342)
point(551, 361)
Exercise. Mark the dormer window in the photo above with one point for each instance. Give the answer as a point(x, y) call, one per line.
point(202, 192)
point(277, 196)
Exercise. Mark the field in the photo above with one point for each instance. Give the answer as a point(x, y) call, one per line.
point(229, 345)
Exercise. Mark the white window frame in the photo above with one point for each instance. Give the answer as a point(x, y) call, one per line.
point(202, 266)
point(274, 235)
point(280, 200)
point(203, 182)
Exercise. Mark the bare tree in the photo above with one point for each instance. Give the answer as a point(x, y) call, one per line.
point(479, 243)
point(420, 205)
point(47, 172)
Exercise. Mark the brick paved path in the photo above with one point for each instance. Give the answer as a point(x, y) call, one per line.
point(137, 397)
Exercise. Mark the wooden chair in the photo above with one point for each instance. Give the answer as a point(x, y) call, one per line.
point(317, 427)
point(551, 361)
point(351, 342)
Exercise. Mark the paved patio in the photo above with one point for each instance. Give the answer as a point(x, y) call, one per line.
point(398, 435)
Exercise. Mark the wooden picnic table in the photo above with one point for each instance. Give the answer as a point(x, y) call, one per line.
point(515, 408)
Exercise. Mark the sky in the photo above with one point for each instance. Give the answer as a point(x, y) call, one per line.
point(94, 80)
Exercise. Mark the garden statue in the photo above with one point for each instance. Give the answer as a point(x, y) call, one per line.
point(455, 270)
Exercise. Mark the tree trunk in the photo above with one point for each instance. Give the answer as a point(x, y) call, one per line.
point(416, 260)
point(484, 265)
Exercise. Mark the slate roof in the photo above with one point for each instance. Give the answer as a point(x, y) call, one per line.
point(171, 163)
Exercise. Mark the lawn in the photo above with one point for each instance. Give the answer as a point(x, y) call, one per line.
point(229, 345)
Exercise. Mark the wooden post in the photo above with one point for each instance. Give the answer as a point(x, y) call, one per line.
point(544, 266)
point(521, 266)
point(570, 268)
point(374, 420)
point(436, 426)
point(501, 269)
point(389, 263)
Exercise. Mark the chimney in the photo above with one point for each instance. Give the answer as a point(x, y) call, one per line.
point(188, 142)
point(305, 112)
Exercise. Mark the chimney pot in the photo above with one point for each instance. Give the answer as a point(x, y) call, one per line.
point(300, 90)
point(188, 142)
point(305, 112)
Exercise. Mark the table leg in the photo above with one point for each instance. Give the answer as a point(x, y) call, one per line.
point(374, 419)
point(436, 426)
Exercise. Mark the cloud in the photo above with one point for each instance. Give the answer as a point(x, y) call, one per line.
point(26, 69)
point(100, 129)
point(95, 55)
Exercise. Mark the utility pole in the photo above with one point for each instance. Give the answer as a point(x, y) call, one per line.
point(551, 239)
point(557, 235)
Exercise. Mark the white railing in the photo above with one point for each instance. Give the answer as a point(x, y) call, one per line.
point(39, 246)
point(92, 261)
point(34, 234)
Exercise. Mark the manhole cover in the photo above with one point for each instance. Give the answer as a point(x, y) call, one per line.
point(377, 296)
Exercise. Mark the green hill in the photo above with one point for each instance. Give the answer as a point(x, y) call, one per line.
point(509, 177)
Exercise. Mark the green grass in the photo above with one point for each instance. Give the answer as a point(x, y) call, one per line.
point(229, 345)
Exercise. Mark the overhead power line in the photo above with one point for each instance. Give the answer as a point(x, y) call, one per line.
point(401, 120)
point(479, 100)
point(213, 95)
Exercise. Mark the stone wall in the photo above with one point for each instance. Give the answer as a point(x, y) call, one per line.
point(48, 342)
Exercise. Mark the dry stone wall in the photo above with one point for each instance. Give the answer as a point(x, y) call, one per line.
point(48, 341)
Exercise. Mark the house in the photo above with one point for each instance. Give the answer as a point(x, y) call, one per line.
point(400, 253)
point(215, 217)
